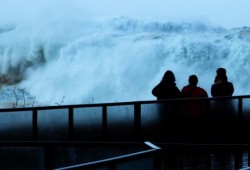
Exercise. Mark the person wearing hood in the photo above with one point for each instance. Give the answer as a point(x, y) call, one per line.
point(221, 86)
point(167, 111)
point(223, 111)
point(167, 88)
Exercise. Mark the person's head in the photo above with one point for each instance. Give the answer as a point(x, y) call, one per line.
point(223, 78)
point(168, 77)
point(221, 72)
point(193, 80)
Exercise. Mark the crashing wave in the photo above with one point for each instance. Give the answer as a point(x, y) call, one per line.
point(119, 59)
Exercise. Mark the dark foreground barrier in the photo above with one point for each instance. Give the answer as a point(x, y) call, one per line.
point(179, 156)
point(122, 156)
point(79, 155)
point(224, 119)
point(219, 125)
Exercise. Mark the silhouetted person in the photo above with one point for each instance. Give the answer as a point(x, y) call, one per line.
point(223, 111)
point(221, 86)
point(192, 90)
point(195, 108)
point(194, 112)
point(167, 88)
point(167, 111)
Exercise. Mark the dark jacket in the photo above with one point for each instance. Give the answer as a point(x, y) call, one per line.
point(165, 90)
point(222, 89)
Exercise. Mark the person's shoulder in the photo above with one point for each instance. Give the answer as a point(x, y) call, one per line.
point(156, 88)
point(158, 85)
point(229, 84)
point(202, 90)
point(185, 87)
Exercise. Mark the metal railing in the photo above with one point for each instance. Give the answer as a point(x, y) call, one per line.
point(135, 109)
point(172, 152)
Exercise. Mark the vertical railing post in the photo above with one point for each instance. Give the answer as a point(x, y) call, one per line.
point(240, 125)
point(137, 119)
point(104, 121)
point(71, 123)
point(240, 110)
point(34, 125)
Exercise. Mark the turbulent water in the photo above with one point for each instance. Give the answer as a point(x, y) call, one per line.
point(74, 61)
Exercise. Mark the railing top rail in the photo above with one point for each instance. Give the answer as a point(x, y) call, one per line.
point(117, 144)
point(72, 144)
point(117, 103)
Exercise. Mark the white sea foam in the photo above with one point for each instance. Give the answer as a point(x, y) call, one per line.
point(119, 59)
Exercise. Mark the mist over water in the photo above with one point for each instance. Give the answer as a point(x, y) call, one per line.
point(117, 59)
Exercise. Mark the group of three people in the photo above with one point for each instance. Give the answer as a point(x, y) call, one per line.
point(167, 88)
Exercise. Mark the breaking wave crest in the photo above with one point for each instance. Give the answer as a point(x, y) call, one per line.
point(121, 59)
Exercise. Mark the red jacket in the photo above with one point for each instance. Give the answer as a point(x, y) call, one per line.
point(194, 108)
point(193, 92)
